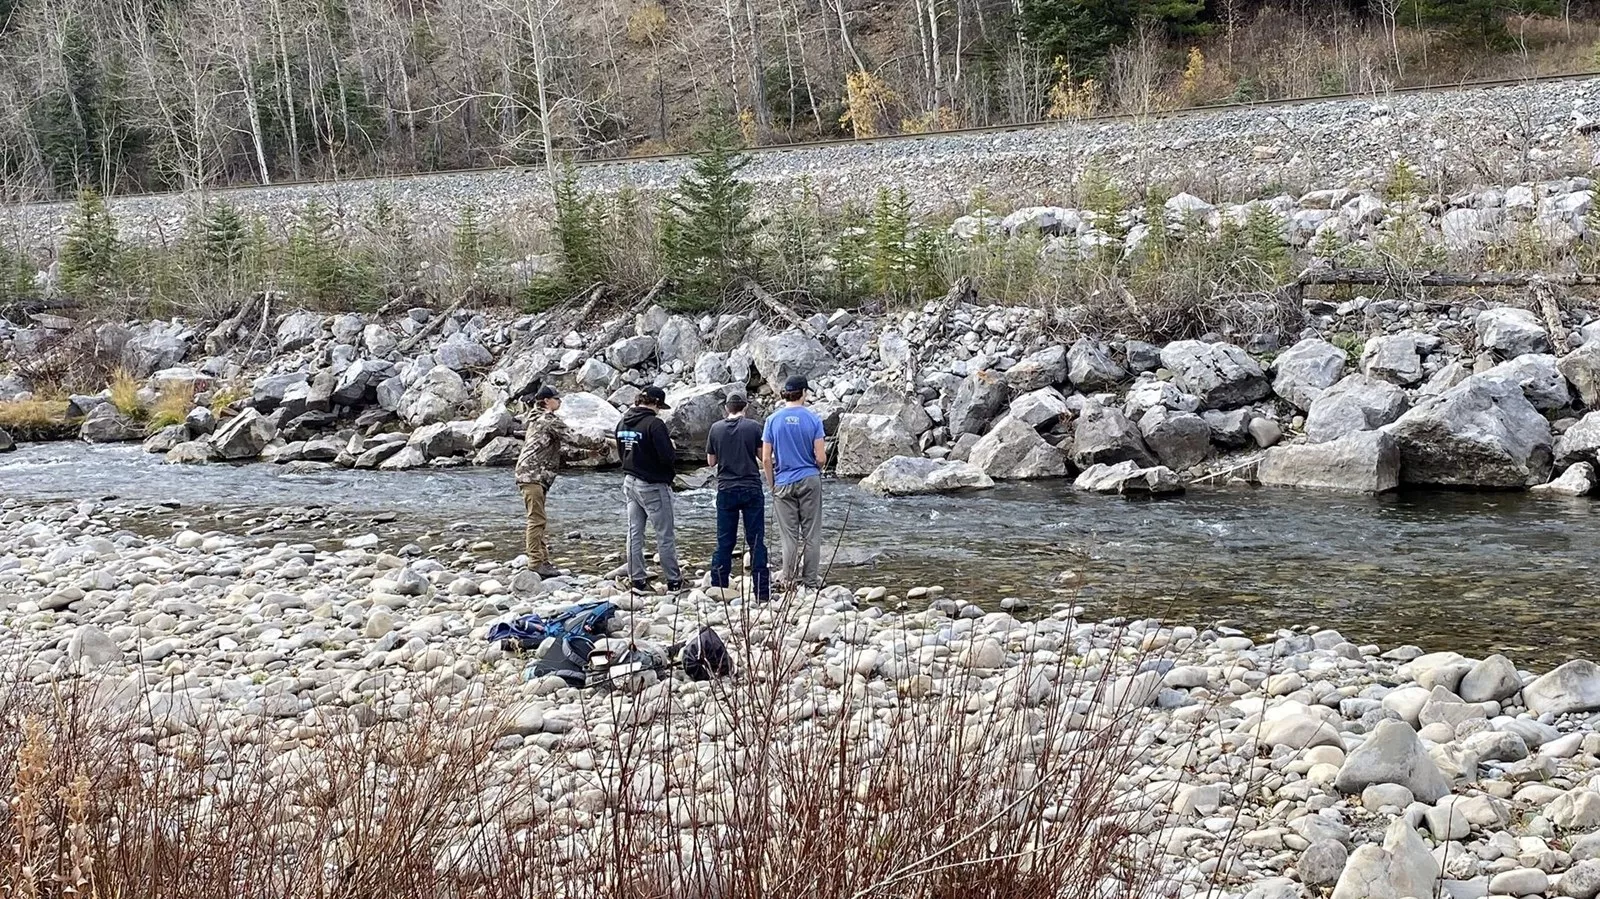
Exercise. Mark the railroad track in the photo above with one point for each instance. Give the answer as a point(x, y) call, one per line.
point(779, 149)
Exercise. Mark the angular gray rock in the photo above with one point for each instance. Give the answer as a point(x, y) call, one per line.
point(1127, 478)
point(915, 476)
point(977, 401)
point(298, 330)
point(437, 397)
point(357, 384)
point(1040, 409)
point(1580, 443)
point(1511, 332)
point(1492, 680)
point(407, 458)
point(1322, 862)
point(379, 341)
point(1221, 375)
point(1480, 433)
point(1105, 435)
point(1392, 754)
point(1539, 376)
point(867, 441)
point(268, 392)
point(149, 352)
point(1402, 868)
point(90, 649)
point(1573, 687)
point(595, 375)
point(786, 354)
point(500, 451)
point(1180, 440)
point(679, 341)
point(1090, 367)
point(1363, 462)
point(496, 421)
point(243, 437)
point(591, 416)
point(1142, 357)
point(729, 332)
point(442, 440)
point(6, 443)
point(712, 368)
point(884, 399)
point(1230, 429)
point(694, 410)
point(631, 352)
point(1045, 368)
point(1015, 451)
point(461, 353)
point(165, 439)
point(1577, 480)
point(1581, 881)
point(107, 425)
point(1306, 369)
point(1394, 358)
point(1581, 368)
point(195, 452)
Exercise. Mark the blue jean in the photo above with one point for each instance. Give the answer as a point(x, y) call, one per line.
point(747, 503)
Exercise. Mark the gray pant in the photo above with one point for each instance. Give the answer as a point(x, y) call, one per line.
point(652, 503)
point(800, 520)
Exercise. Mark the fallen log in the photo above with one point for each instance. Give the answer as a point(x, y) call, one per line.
point(960, 292)
point(615, 330)
point(433, 325)
point(788, 314)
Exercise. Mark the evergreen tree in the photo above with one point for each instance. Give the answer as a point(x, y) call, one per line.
point(890, 263)
point(1481, 22)
point(707, 237)
point(1082, 32)
point(222, 237)
point(577, 232)
point(89, 252)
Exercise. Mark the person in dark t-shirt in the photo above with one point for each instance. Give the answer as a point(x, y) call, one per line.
point(734, 448)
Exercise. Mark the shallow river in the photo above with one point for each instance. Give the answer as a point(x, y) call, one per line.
point(1476, 573)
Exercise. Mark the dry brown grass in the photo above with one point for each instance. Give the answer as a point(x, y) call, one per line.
point(171, 407)
point(754, 787)
point(39, 418)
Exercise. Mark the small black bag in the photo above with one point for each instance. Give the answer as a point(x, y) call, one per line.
point(705, 656)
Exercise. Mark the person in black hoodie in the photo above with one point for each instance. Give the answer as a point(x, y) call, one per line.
point(647, 465)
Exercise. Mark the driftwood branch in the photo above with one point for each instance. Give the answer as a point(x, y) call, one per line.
point(962, 291)
point(432, 326)
point(788, 314)
point(616, 329)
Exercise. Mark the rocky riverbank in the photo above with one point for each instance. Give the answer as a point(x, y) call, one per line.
point(1279, 765)
point(1363, 394)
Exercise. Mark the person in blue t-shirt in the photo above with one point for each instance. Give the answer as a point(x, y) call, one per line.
point(793, 452)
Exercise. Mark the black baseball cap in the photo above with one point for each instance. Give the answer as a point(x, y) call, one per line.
point(546, 392)
point(735, 401)
point(655, 395)
point(796, 384)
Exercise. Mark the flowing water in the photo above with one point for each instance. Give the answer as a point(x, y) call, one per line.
point(1473, 572)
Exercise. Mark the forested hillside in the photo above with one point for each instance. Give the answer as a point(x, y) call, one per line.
point(130, 95)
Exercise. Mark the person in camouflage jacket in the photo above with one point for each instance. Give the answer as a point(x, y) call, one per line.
point(537, 466)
